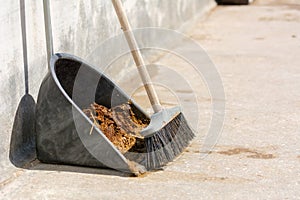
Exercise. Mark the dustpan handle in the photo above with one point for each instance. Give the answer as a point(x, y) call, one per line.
point(24, 43)
point(48, 30)
point(137, 56)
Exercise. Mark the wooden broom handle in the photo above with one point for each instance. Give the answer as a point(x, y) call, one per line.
point(137, 56)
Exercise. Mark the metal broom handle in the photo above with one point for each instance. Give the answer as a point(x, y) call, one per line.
point(137, 56)
point(48, 30)
point(24, 43)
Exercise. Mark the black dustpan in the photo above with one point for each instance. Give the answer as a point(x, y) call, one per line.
point(63, 130)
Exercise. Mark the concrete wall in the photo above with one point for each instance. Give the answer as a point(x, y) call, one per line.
point(78, 26)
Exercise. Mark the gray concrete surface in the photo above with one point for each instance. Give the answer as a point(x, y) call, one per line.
point(78, 28)
point(255, 49)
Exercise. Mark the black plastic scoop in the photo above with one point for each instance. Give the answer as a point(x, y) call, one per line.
point(63, 130)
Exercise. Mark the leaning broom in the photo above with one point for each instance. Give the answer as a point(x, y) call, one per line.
point(168, 132)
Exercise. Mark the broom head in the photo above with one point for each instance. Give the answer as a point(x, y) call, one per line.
point(167, 135)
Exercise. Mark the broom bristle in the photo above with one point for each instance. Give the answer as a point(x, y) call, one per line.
point(166, 144)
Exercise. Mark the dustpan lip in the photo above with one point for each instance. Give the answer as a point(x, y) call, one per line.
point(54, 59)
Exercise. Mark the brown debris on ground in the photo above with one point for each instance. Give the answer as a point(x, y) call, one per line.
point(252, 153)
point(119, 124)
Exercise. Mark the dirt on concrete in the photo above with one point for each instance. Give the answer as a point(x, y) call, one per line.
point(251, 153)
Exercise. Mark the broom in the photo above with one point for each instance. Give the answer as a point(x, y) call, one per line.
point(168, 132)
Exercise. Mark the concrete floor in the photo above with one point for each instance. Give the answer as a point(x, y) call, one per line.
point(256, 50)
